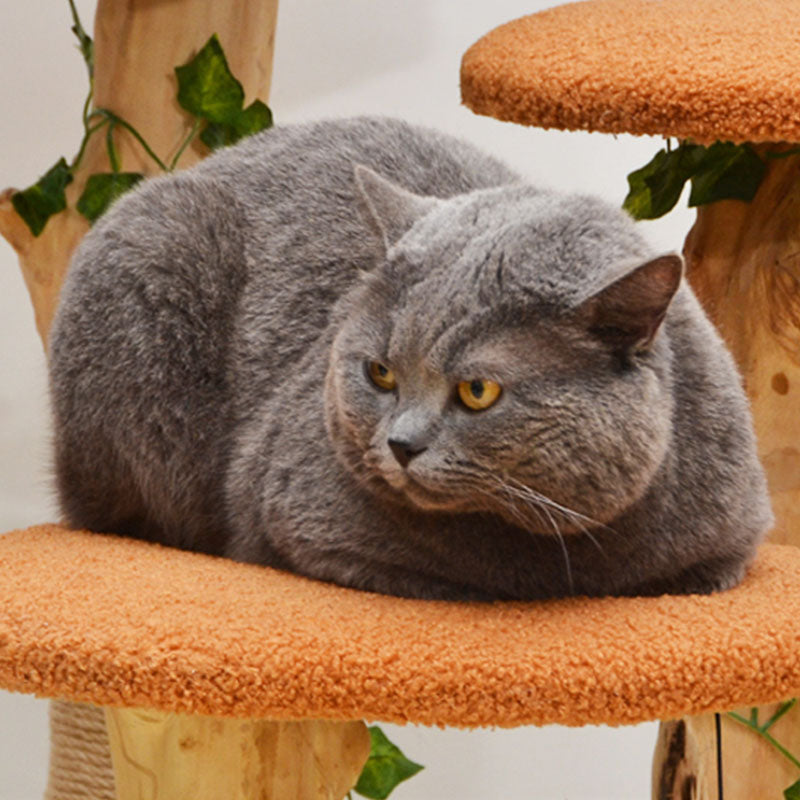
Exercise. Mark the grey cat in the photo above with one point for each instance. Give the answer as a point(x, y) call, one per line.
point(367, 353)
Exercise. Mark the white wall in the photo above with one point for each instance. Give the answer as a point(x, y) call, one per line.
point(332, 59)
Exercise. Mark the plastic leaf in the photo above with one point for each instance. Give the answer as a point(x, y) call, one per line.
point(102, 189)
point(385, 767)
point(46, 197)
point(792, 792)
point(721, 172)
point(727, 172)
point(206, 86)
point(256, 117)
point(657, 186)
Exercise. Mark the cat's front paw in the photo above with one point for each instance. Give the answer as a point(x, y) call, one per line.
point(708, 577)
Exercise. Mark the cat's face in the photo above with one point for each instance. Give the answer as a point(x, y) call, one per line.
point(465, 378)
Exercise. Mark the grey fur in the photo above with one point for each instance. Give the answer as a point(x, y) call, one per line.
point(209, 390)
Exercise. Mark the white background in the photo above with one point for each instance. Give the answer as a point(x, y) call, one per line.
point(332, 59)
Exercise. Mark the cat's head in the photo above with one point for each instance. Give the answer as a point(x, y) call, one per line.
point(506, 355)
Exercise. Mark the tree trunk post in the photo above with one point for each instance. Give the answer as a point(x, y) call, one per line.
point(161, 756)
point(743, 261)
point(137, 45)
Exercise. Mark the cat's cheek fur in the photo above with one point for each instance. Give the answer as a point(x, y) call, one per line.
point(609, 447)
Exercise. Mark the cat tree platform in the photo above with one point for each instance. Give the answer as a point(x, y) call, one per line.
point(202, 642)
point(686, 68)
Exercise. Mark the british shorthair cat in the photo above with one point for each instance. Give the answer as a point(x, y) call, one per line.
point(367, 353)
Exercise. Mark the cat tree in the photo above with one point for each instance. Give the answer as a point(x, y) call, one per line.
point(228, 680)
point(703, 71)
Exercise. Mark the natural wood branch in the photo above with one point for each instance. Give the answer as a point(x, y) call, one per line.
point(686, 766)
point(137, 46)
point(684, 762)
point(744, 263)
point(160, 756)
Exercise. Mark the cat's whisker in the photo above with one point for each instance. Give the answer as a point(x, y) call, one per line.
point(543, 508)
point(574, 515)
point(535, 501)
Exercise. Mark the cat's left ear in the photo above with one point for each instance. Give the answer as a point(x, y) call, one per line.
point(628, 313)
point(391, 209)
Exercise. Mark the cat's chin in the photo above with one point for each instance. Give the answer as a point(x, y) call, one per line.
point(413, 493)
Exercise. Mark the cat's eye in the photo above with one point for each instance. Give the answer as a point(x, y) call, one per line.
point(381, 376)
point(478, 394)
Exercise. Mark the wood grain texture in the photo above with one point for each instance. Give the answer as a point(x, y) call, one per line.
point(686, 758)
point(684, 763)
point(138, 43)
point(165, 756)
point(743, 261)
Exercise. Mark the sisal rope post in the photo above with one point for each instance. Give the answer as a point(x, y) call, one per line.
point(80, 760)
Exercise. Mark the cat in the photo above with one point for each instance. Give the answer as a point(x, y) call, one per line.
point(370, 354)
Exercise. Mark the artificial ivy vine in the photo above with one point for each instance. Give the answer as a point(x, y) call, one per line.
point(206, 90)
point(762, 729)
point(721, 171)
point(385, 767)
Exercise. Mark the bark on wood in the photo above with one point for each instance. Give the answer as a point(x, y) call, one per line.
point(138, 43)
point(161, 756)
point(685, 764)
point(743, 261)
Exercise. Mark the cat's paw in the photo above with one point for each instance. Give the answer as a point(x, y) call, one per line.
point(708, 577)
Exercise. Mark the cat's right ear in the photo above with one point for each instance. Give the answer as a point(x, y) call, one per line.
point(391, 209)
point(628, 313)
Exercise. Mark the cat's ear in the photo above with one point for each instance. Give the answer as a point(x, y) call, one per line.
point(628, 313)
point(390, 208)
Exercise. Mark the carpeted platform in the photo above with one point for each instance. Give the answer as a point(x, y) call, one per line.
point(705, 71)
point(119, 622)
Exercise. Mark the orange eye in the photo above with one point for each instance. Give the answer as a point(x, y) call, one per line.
point(381, 376)
point(479, 394)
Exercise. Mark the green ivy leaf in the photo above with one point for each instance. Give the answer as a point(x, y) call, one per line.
point(792, 792)
point(256, 117)
point(723, 171)
point(727, 172)
point(657, 186)
point(206, 87)
point(385, 767)
point(39, 202)
point(102, 189)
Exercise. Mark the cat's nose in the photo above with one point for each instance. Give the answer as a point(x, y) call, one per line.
point(404, 451)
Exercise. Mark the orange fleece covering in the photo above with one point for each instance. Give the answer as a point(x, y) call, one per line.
point(120, 622)
point(687, 68)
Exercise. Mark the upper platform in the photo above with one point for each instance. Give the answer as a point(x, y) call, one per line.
point(688, 68)
point(120, 622)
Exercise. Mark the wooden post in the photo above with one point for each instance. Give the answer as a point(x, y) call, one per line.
point(138, 43)
point(693, 755)
point(743, 262)
point(161, 756)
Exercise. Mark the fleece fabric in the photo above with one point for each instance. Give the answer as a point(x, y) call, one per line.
point(697, 69)
point(119, 622)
